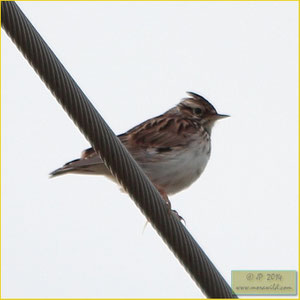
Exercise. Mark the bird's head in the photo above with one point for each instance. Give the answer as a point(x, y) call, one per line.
point(198, 108)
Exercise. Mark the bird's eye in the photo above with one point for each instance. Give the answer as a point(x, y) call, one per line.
point(198, 111)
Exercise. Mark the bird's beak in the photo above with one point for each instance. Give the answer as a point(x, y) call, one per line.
point(222, 116)
point(218, 117)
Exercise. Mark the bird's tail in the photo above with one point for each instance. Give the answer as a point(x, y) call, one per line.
point(92, 166)
point(67, 168)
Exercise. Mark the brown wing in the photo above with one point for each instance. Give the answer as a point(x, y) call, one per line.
point(160, 132)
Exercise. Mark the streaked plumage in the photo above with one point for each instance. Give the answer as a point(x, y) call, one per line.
point(173, 148)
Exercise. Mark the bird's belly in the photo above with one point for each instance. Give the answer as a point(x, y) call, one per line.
point(177, 170)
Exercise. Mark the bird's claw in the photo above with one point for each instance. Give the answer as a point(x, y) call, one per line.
point(168, 203)
point(177, 215)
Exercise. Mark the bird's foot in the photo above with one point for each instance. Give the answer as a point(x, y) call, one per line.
point(168, 202)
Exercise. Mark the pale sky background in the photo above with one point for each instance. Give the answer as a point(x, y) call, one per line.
point(79, 236)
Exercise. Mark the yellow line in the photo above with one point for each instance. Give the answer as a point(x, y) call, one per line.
point(160, 0)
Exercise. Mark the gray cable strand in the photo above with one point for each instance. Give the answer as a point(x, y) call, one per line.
point(113, 153)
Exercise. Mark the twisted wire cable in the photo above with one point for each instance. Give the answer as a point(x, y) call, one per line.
point(114, 154)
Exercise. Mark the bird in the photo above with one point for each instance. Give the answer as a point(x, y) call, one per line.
point(173, 148)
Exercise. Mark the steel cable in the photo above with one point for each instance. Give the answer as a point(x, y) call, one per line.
point(113, 153)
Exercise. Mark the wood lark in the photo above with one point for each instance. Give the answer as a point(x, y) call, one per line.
point(173, 149)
